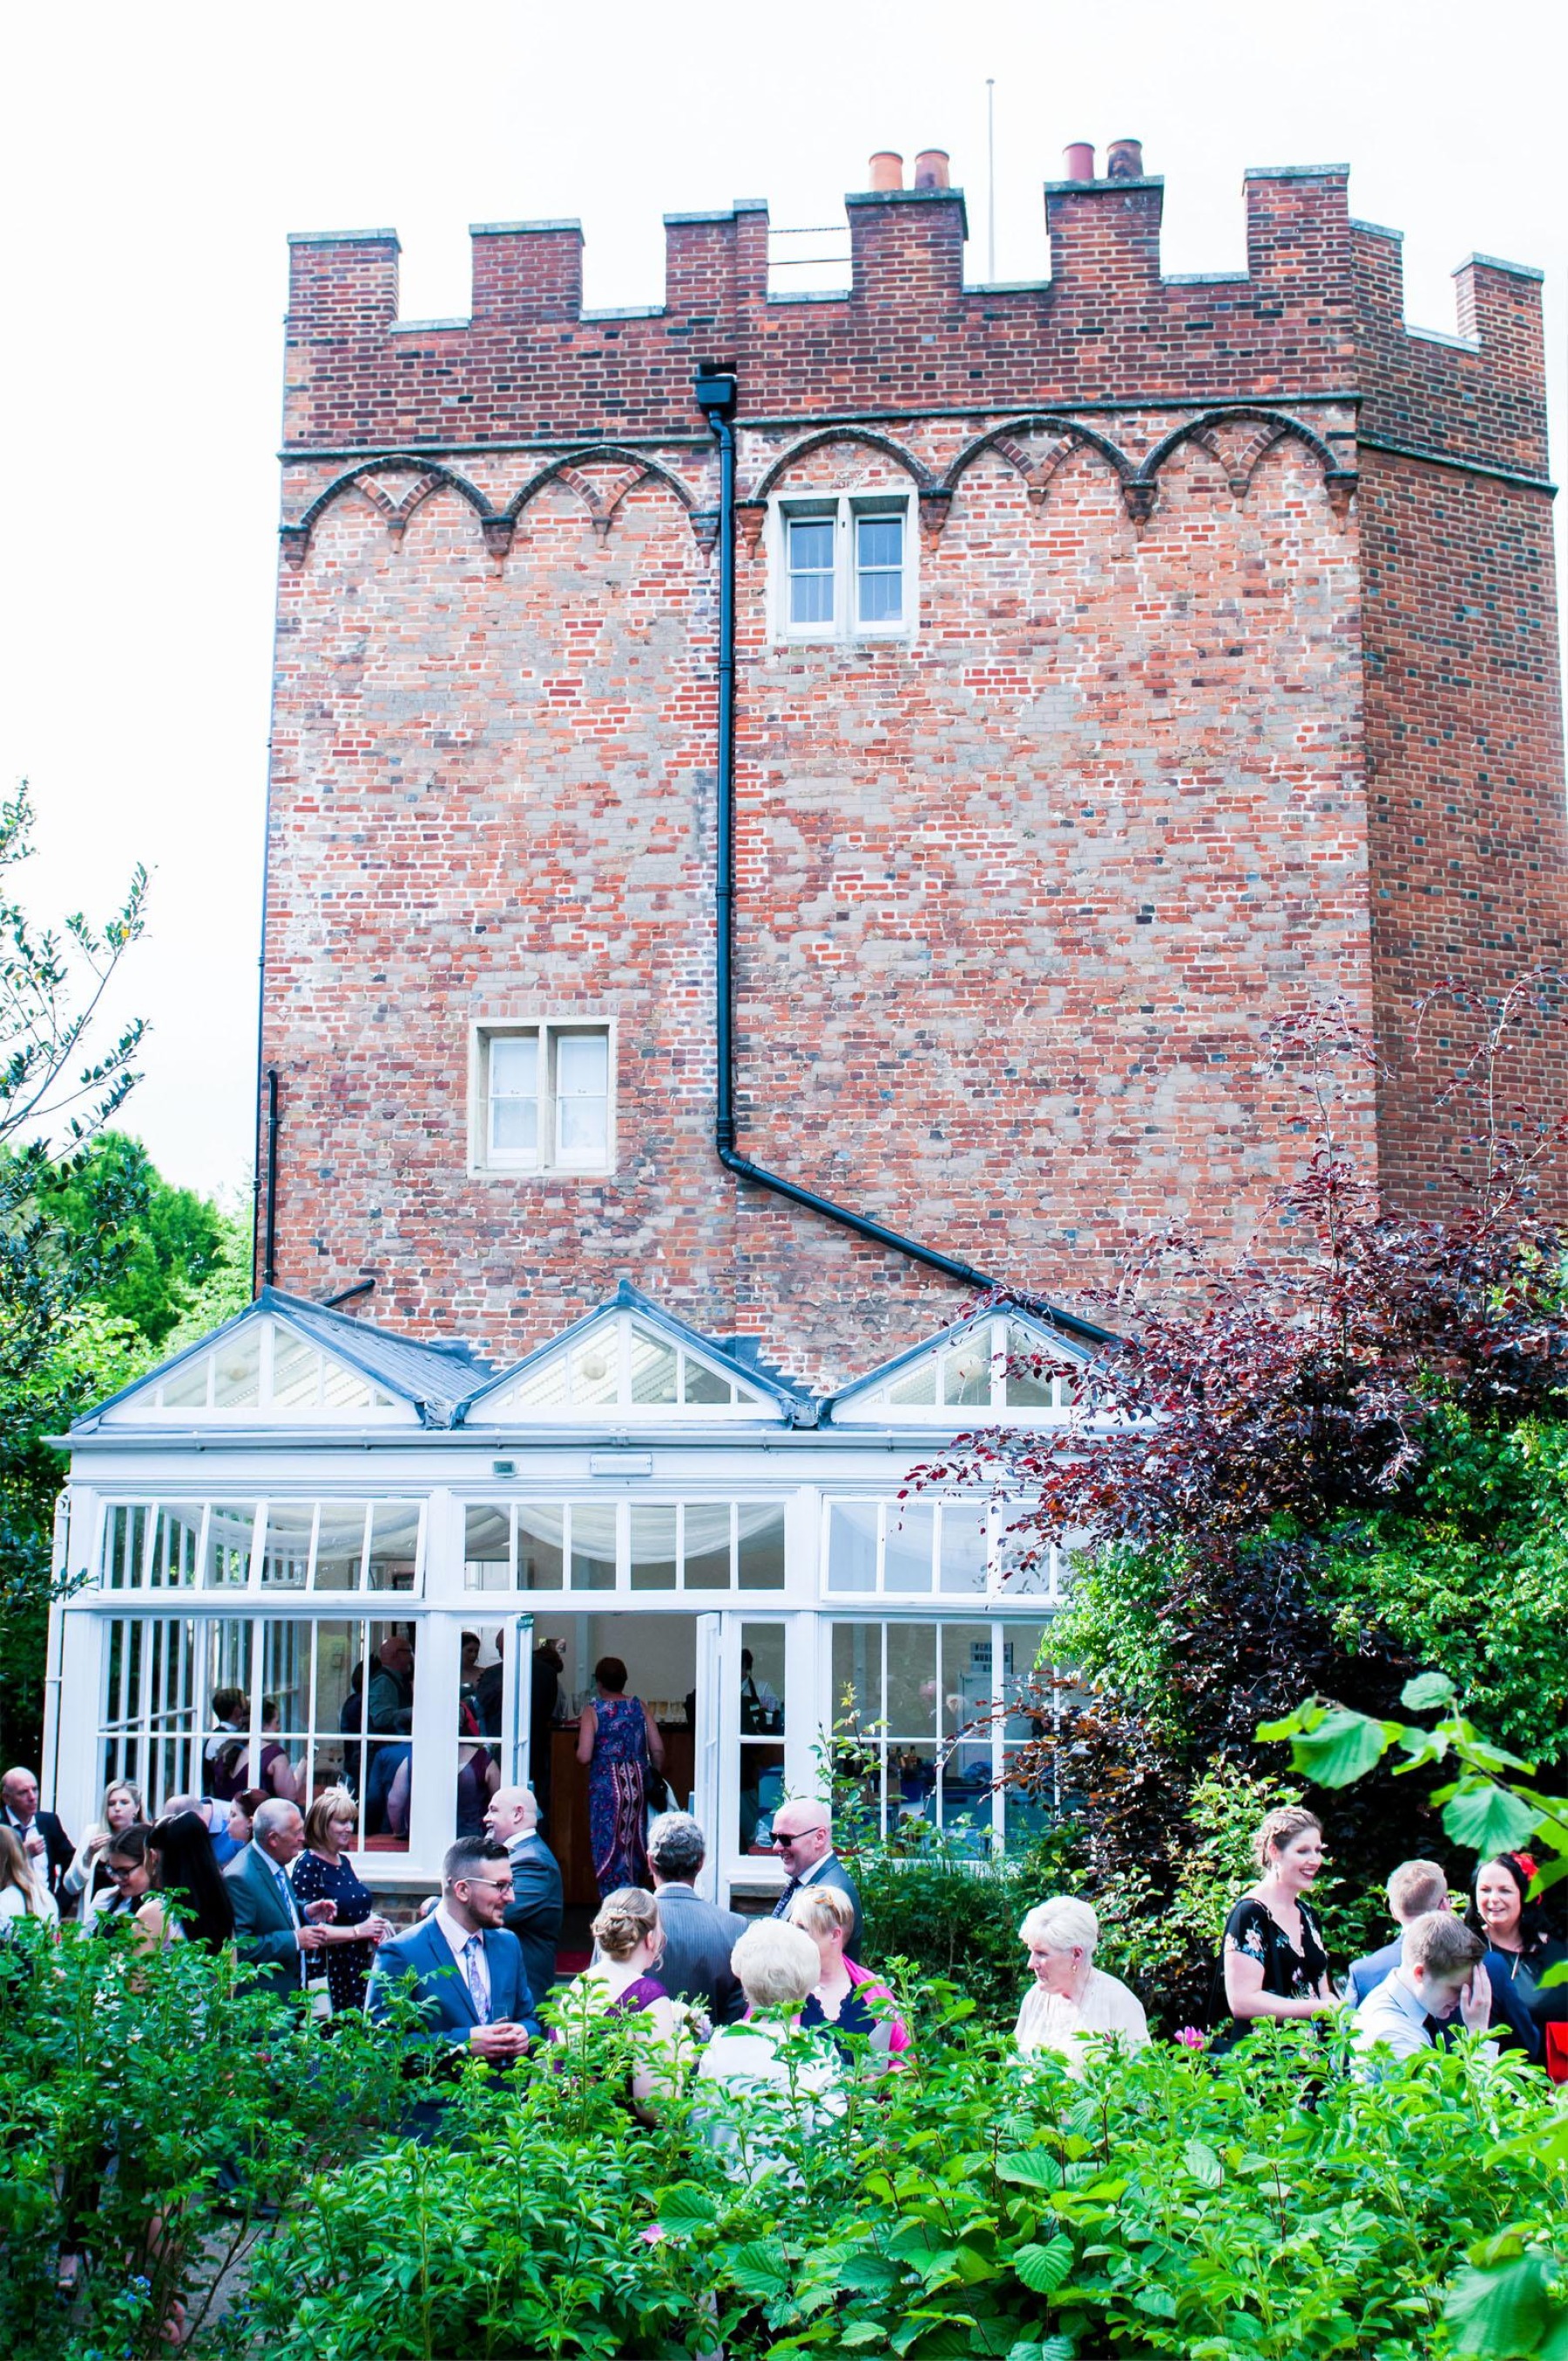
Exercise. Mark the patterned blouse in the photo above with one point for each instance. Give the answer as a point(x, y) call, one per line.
point(1289, 1974)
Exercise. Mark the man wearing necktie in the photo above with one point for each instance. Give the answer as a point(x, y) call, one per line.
point(462, 1966)
point(271, 1927)
point(802, 1833)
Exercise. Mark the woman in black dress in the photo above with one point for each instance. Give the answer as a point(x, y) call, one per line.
point(324, 1872)
point(1273, 1963)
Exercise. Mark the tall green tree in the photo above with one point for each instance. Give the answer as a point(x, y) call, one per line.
point(64, 1073)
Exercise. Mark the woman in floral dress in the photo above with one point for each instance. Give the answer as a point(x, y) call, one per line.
point(1273, 1963)
point(619, 1738)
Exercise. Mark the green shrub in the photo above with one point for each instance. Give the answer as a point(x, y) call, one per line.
point(1269, 2208)
point(152, 2110)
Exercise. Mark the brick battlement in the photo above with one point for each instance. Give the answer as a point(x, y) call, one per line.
point(1317, 316)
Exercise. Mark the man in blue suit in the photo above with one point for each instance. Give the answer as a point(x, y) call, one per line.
point(1415, 1888)
point(470, 1988)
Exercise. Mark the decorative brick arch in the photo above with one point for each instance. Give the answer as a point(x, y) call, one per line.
point(568, 469)
point(431, 475)
point(921, 476)
point(1070, 434)
point(1272, 427)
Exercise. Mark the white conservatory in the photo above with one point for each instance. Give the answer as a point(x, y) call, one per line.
point(253, 1521)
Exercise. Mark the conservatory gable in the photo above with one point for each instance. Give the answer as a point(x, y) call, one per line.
point(629, 1360)
point(997, 1368)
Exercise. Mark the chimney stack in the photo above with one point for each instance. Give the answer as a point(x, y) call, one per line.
point(886, 170)
point(931, 168)
point(1079, 160)
point(1124, 160)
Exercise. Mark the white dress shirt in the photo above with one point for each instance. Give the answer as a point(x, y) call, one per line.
point(456, 1939)
point(1395, 2015)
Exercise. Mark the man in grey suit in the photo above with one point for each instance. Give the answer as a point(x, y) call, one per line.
point(698, 1936)
point(803, 1831)
point(536, 1910)
point(271, 1928)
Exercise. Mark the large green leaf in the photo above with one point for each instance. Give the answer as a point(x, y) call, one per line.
point(1036, 2167)
point(1203, 2164)
point(761, 2270)
point(1340, 1748)
point(1504, 2312)
point(1427, 1691)
point(1487, 1818)
point(685, 2206)
point(1044, 2268)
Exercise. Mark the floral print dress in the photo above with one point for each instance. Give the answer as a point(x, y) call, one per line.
point(1291, 1974)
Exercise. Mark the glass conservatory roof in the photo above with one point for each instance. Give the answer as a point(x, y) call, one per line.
point(995, 1368)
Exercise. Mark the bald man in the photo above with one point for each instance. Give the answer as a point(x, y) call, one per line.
point(534, 1912)
point(45, 1843)
point(803, 1837)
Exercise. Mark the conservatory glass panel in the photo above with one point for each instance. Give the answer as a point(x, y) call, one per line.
point(187, 1388)
point(910, 1546)
point(230, 1530)
point(296, 1372)
point(702, 1384)
point(966, 1372)
point(964, 1552)
point(392, 1562)
point(763, 1712)
point(655, 1566)
point(1024, 1388)
point(340, 1546)
point(761, 1553)
point(124, 1546)
point(653, 1368)
point(592, 1529)
point(286, 1551)
point(236, 1371)
point(596, 1369)
point(708, 1560)
point(916, 1387)
point(540, 1547)
point(852, 1545)
point(487, 1547)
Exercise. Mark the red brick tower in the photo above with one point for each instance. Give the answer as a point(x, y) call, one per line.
point(1123, 662)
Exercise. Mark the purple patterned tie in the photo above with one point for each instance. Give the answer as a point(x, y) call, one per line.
point(471, 1951)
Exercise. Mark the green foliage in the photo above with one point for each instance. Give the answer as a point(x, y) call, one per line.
point(151, 2112)
point(176, 1243)
point(966, 2204)
point(1471, 1573)
point(929, 1903)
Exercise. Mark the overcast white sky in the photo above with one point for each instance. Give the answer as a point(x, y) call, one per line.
point(155, 159)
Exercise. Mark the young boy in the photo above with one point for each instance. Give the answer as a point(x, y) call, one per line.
point(1439, 1973)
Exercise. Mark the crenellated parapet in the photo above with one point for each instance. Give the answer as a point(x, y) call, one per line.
point(1316, 317)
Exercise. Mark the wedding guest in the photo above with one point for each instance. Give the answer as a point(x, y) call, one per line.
point(1273, 1963)
point(227, 1752)
point(622, 1981)
point(1072, 2000)
point(274, 1931)
point(88, 1881)
point(767, 2093)
point(846, 1997)
point(536, 1908)
point(240, 1825)
point(23, 1894)
point(130, 1876)
point(802, 1833)
point(1440, 1974)
point(322, 1872)
point(619, 1740)
point(44, 1841)
point(469, 1986)
point(189, 1900)
point(1415, 1889)
point(276, 1774)
point(1511, 1924)
point(698, 1936)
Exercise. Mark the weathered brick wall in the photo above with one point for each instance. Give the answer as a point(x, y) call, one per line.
point(1017, 904)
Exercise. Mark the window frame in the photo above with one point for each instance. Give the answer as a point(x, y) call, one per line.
point(847, 509)
point(549, 1159)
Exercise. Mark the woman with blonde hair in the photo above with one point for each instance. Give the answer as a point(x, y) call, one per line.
point(621, 1983)
point(843, 1993)
point(1273, 1963)
point(23, 1894)
point(322, 1872)
point(87, 1875)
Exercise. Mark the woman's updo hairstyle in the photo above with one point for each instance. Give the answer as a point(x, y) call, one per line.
point(1281, 1828)
point(625, 1917)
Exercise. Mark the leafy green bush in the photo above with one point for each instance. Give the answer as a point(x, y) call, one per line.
point(927, 1902)
point(1269, 2208)
point(151, 2112)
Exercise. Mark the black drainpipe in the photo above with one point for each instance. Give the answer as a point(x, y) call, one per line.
point(269, 1223)
point(716, 398)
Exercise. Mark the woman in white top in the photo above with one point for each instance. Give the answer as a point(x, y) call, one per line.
point(23, 1894)
point(778, 1968)
point(1071, 1999)
point(87, 1874)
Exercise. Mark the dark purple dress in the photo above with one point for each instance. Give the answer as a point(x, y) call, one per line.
point(618, 1794)
point(640, 1994)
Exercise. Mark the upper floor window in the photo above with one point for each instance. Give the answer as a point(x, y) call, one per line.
point(545, 1098)
point(845, 567)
